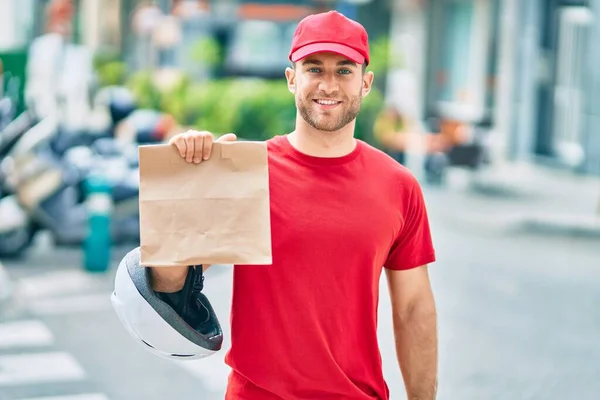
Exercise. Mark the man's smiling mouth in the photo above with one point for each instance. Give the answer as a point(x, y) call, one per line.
point(327, 103)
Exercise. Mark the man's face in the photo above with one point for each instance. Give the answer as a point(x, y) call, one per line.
point(328, 89)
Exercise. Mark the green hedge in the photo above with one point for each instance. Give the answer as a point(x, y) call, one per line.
point(253, 109)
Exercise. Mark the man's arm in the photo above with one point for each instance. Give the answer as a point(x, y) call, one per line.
point(415, 330)
point(170, 279)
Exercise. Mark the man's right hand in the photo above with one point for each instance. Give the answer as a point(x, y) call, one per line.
point(194, 146)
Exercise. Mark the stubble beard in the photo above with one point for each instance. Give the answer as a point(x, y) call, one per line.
point(328, 123)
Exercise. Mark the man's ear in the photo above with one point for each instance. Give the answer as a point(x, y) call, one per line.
point(367, 82)
point(290, 75)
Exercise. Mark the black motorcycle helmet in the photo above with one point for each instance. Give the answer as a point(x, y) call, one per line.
point(118, 100)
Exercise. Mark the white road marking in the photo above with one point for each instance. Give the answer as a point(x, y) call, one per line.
point(24, 333)
point(57, 283)
point(26, 369)
point(70, 304)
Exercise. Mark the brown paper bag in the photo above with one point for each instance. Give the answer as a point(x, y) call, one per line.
point(215, 212)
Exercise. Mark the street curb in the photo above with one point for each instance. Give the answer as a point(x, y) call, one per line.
point(566, 225)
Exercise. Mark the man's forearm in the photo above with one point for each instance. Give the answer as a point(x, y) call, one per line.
point(170, 279)
point(417, 349)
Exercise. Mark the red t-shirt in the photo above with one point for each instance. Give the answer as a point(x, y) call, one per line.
point(305, 327)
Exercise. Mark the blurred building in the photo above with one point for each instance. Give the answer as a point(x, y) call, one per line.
point(525, 67)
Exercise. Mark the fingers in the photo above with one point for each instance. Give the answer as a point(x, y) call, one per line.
point(190, 145)
point(196, 146)
point(208, 141)
point(179, 142)
point(228, 137)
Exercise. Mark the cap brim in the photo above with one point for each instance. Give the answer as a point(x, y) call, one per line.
point(336, 48)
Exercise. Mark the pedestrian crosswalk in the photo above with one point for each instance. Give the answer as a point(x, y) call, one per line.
point(33, 366)
point(29, 358)
point(65, 291)
point(27, 369)
point(36, 365)
point(25, 333)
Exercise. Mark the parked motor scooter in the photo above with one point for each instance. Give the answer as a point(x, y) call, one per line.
point(12, 132)
point(43, 174)
point(51, 192)
point(16, 229)
point(111, 106)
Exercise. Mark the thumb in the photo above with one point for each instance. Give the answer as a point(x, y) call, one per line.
point(228, 137)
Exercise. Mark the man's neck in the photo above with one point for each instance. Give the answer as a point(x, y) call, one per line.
point(316, 143)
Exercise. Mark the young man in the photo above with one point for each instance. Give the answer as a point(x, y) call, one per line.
point(305, 327)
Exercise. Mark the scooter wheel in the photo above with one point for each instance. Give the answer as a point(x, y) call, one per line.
point(14, 243)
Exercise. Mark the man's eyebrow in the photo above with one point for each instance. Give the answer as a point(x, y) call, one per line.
point(347, 62)
point(312, 61)
point(318, 62)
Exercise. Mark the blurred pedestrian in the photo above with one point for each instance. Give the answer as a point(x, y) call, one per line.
point(59, 17)
point(342, 212)
point(392, 131)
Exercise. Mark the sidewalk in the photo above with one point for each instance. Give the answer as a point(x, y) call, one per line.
point(522, 197)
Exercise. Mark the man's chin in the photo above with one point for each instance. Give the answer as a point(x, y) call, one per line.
point(324, 123)
point(328, 127)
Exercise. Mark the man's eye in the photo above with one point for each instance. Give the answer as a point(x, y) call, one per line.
point(345, 71)
point(314, 70)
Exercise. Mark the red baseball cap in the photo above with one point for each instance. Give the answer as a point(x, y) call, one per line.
point(330, 32)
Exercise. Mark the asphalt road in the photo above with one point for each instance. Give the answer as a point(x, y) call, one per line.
point(518, 320)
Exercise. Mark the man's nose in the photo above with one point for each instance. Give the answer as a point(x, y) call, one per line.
point(329, 84)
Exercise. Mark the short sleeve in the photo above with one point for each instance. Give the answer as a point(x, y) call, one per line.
point(413, 246)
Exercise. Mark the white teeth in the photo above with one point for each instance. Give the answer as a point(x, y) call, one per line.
point(327, 102)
